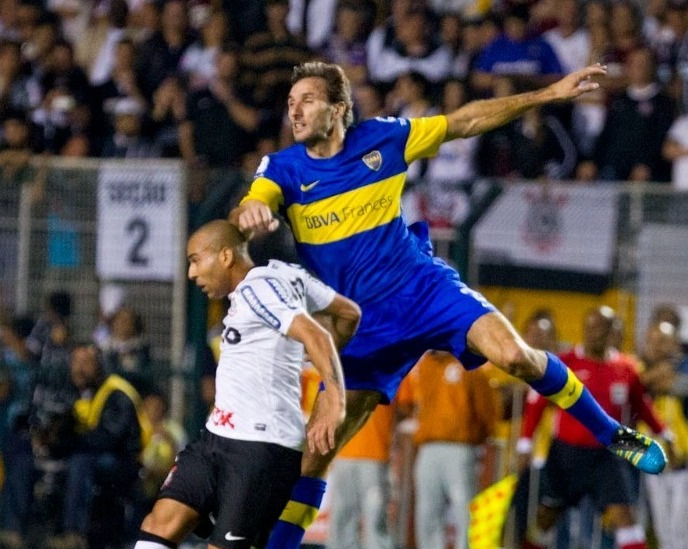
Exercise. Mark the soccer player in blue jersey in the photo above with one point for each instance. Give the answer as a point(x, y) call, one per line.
point(339, 188)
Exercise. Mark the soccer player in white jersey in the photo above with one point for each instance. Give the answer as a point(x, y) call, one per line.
point(243, 467)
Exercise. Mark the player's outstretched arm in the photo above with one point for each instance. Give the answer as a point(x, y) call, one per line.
point(340, 318)
point(481, 116)
point(253, 218)
point(329, 415)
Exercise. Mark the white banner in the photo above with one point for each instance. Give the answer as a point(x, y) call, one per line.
point(559, 227)
point(139, 221)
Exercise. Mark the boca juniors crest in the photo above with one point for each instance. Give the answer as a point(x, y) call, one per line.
point(373, 160)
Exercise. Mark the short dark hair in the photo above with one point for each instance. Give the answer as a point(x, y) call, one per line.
point(338, 87)
point(61, 302)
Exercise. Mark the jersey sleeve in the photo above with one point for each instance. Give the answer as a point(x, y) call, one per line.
point(425, 137)
point(318, 294)
point(271, 302)
point(264, 188)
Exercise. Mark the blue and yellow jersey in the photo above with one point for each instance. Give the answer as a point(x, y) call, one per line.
point(345, 211)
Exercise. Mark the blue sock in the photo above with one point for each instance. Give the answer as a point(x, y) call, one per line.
point(298, 515)
point(561, 386)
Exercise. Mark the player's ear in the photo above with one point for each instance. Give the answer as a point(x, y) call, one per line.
point(339, 109)
point(226, 256)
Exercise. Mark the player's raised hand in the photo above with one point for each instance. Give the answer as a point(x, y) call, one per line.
point(253, 218)
point(578, 83)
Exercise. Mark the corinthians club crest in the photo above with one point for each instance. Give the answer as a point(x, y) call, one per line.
point(373, 160)
point(543, 225)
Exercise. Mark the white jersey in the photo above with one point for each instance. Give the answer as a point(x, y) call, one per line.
point(258, 379)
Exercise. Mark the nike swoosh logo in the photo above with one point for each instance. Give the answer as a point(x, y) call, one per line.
point(306, 188)
point(230, 537)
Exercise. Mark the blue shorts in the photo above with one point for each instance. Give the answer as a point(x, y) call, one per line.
point(434, 310)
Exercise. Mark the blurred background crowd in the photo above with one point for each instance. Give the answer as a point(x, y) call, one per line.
point(181, 79)
point(206, 81)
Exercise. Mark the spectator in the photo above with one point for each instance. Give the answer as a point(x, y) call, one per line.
point(220, 122)
point(442, 197)
point(411, 97)
point(536, 146)
point(169, 111)
point(530, 61)
point(102, 53)
point(346, 45)
point(370, 101)
point(28, 14)
point(359, 480)
point(128, 140)
point(576, 465)
point(40, 443)
point(630, 145)
point(127, 351)
point(19, 371)
point(17, 91)
point(199, 62)
point(110, 432)
point(675, 150)
point(67, 98)
point(168, 438)
point(312, 20)
point(111, 298)
point(589, 112)
point(159, 56)
point(17, 146)
point(448, 446)
point(570, 42)
point(666, 42)
point(9, 19)
point(406, 44)
point(120, 83)
point(667, 495)
point(267, 60)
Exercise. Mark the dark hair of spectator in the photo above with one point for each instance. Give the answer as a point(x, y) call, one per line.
point(21, 325)
point(61, 303)
point(337, 84)
point(119, 12)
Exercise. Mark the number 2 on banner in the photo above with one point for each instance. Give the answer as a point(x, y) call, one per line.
point(139, 229)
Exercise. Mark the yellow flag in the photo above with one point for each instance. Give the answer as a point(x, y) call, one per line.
point(488, 512)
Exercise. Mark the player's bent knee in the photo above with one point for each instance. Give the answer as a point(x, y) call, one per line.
point(170, 520)
point(521, 361)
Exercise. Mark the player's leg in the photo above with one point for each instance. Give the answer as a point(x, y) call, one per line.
point(168, 523)
point(185, 496)
point(541, 534)
point(307, 494)
point(493, 336)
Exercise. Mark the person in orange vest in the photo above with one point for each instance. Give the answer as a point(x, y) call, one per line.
point(359, 480)
point(457, 412)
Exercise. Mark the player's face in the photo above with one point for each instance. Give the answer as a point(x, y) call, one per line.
point(206, 268)
point(312, 117)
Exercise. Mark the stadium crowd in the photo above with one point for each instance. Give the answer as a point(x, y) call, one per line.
point(154, 78)
point(206, 81)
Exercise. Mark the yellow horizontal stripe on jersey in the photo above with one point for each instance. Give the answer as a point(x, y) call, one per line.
point(570, 393)
point(341, 216)
point(267, 191)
